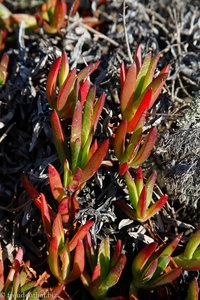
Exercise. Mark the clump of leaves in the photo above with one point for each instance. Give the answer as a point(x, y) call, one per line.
point(152, 269)
point(67, 257)
point(139, 88)
point(131, 150)
point(140, 196)
point(8, 20)
point(105, 271)
point(3, 68)
point(21, 282)
point(52, 16)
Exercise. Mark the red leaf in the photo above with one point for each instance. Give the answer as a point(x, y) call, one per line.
point(116, 253)
point(96, 275)
point(76, 127)
point(89, 249)
point(156, 86)
point(166, 278)
point(123, 168)
point(128, 87)
point(144, 105)
point(84, 89)
point(80, 234)
point(79, 262)
point(31, 190)
point(97, 110)
point(119, 141)
point(139, 180)
point(74, 8)
point(63, 95)
point(93, 149)
point(52, 81)
point(149, 186)
point(122, 74)
point(59, 139)
point(138, 57)
point(141, 208)
point(142, 258)
point(56, 186)
point(87, 71)
point(59, 14)
point(146, 148)
point(45, 215)
point(156, 207)
point(94, 163)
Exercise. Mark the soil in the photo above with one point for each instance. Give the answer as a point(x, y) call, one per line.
point(26, 143)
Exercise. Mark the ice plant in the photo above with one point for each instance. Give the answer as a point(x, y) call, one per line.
point(140, 196)
point(53, 15)
point(131, 150)
point(190, 258)
point(18, 281)
point(105, 270)
point(71, 85)
point(3, 68)
point(139, 88)
point(67, 257)
point(152, 269)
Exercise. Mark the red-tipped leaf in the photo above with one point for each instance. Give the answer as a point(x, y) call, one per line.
point(52, 82)
point(80, 234)
point(55, 182)
point(119, 141)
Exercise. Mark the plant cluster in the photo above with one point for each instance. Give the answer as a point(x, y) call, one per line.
point(76, 111)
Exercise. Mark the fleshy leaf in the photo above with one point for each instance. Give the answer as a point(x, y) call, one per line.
point(94, 163)
point(192, 245)
point(103, 258)
point(156, 207)
point(52, 82)
point(79, 262)
point(80, 234)
point(87, 71)
point(65, 91)
point(98, 109)
point(53, 258)
point(64, 70)
point(133, 194)
point(146, 148)
point(142, 257)
point(141, 208)
point(193, 290)
point(120, 139)
point(128, 87)
point(126, 209)
point(58, 231)
point(166, 278)
point(45, 215)
point(56, 186)
point(59, 139)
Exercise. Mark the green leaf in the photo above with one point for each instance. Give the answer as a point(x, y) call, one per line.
point(192, 245)
point(133, 194)
point(53, 258)
point(141, 208)
point(156, 207)
point(58, 230)
point(103, 258)
point(94, 163)
point(79, 262)
point(141, 76)
point(64, 70)
point(165, 279)
point(193, 290)
point(88, 115)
